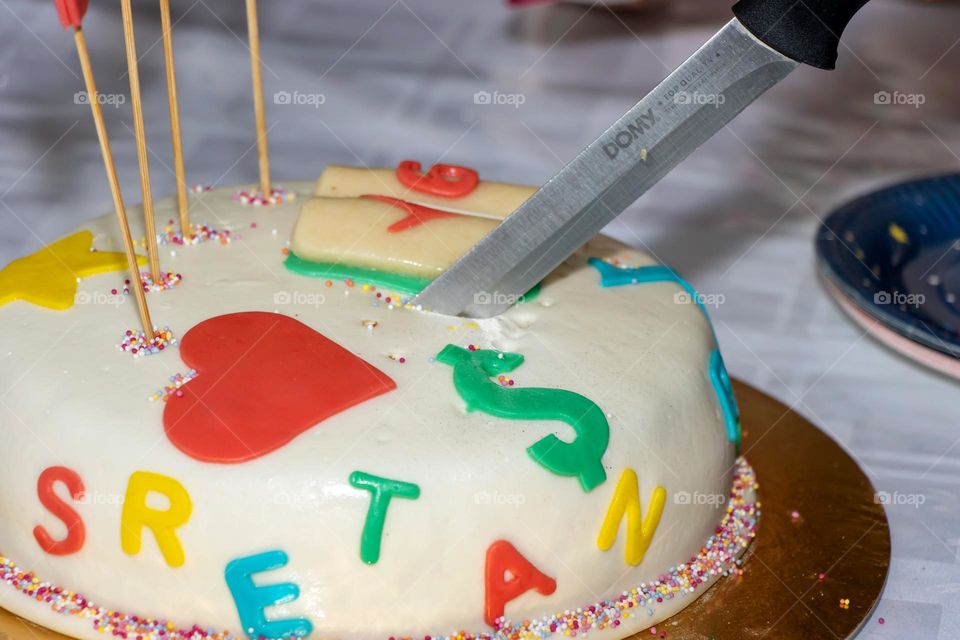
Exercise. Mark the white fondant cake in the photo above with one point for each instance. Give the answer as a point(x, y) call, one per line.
point(173, 531)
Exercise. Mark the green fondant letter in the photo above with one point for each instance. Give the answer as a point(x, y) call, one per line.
point(381, 491)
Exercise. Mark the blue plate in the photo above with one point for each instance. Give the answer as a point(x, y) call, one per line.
point(895, 254)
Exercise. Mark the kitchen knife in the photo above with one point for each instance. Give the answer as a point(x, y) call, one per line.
point(764, 42)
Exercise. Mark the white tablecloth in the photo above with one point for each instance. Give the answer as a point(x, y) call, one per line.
point(381, 80)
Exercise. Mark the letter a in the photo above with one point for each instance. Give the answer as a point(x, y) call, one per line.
point(501, 558)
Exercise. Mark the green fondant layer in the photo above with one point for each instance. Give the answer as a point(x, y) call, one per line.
point(385, 279)
point(533, 294)
point(400, 283)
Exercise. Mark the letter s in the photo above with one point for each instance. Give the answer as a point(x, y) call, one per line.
point(76, 531)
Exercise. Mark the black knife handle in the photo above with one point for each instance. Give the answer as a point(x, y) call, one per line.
point(807, 31)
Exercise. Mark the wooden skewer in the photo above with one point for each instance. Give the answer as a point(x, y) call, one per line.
point(141, 136)
point(135, 282)
point(263, 153)
point(182, 204)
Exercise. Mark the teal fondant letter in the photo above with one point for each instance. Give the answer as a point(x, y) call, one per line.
point(251, 600)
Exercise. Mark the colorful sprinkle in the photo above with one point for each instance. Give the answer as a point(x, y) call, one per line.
point(172, 388)
point(898, 234)
point(108, 622)
point(200, 188)
point(198, 233)
point(256, 199)
point(168, 280)
point(136, 343)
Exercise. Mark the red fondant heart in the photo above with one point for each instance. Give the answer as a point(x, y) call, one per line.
point(263, 379)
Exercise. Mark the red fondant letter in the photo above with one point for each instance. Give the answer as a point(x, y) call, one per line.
point(76, 531)
point(501, 558)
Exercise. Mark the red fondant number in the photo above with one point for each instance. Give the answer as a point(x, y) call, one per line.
point(501, 558)
point(416, 214)
point(76, 531)
point(443, 180)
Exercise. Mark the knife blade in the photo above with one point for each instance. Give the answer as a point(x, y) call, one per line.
point(707, 91)
point(699, 98)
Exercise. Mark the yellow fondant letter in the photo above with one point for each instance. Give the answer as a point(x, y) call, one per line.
point(626, 501)
point(137, 515)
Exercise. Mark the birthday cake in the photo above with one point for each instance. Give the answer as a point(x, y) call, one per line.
point(301, 450)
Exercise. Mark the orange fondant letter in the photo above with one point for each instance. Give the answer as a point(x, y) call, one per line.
point(163, 524)
point(76, 531)
point(502, 557)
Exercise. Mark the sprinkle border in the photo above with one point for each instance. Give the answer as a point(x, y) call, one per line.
point(720, 556)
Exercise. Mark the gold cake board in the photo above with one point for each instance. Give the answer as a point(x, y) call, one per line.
point(841, 532)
